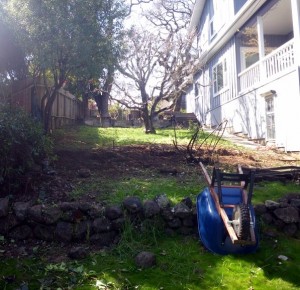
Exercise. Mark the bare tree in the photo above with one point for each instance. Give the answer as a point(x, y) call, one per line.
point(159, 62)
point(173, 16)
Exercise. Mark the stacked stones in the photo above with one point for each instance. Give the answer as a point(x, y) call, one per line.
point(284, 214)
point(78, 221)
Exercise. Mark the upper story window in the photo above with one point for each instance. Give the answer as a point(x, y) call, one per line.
point(218, 9)
point(219, 76)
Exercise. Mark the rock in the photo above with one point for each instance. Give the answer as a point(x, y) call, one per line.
point(96, 211)
point(283, 258)
point(22, 232)
point(162, 201)
point(64, 232)
point(78, 253)
point(66, 206)
point(290, 230)
point(51, 215)
point(270, 204)
point(267, 218)
point(270, 234)
point(174, 223)
point(292, 195)
point(167, 214)
point(4, 206)
point(84, 173)
point(145, 260)
point(133, 204)
point(7, 223)
point(260, 209)
point(188, 222)
point(45, 233)
point(181, 210)
point(151, 208)
point(82, 230)
point(35, 213)
point(101, 225)
point(84, 206)
point(279, 224)
point(287, 214)
point(188, 202)
point(103, 239)
point(113, 212)
point(295, 202)
point(118, 224)
point(21, 210)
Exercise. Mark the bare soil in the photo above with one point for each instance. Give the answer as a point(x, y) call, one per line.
point(113, 163)
point(128, 161)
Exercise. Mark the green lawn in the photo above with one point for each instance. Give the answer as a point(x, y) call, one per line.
point(182, 262)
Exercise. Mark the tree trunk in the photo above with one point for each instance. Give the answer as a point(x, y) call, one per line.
point(104, 113)
point(85, 101)
point(47, 111)
point(148, 122)
point(178, 104)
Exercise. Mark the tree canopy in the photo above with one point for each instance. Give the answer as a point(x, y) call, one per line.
point(159, 63)
point(63, 38)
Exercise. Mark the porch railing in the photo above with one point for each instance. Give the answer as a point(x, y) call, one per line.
point(273, 64)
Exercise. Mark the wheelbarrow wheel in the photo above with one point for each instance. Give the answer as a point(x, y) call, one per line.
point(241, 221)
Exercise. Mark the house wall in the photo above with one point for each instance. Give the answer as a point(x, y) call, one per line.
point(238, 4)
point(206, 105)
point(287, 104)
point(246, 112)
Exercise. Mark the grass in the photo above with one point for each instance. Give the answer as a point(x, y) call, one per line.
point(182, 262)
point(83, 137)
point(144, 186)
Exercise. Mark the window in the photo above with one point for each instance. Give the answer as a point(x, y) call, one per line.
point(212, 29)
point(218, 11)
point(270, 118)
point(219, 76)
point(196, 89)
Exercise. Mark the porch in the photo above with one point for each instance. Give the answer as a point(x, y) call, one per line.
point(267, 45)
point(278, 63)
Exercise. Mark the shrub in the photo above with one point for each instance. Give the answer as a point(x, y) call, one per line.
point(23, 146)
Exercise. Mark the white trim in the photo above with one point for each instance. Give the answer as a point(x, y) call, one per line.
point(244, 14)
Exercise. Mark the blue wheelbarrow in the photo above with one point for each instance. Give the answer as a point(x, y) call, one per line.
point(226, 218)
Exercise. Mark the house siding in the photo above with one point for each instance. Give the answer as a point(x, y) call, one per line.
point(207, 105)
point(245, 108)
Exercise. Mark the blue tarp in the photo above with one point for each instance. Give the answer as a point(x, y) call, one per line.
point(212, 231)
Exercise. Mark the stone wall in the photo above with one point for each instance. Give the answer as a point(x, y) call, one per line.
point(79, 221)
point(284, 214)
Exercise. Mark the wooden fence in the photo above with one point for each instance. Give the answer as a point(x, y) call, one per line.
point(67, 109)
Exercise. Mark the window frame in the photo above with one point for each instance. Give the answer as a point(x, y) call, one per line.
point(219, 78)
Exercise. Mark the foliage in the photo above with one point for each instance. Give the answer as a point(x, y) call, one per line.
point(63, 39)
point(23, 145)
point(182, 262)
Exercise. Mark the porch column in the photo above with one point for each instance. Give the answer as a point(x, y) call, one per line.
point(260, 37)
point(261, 46)
point(296, 28)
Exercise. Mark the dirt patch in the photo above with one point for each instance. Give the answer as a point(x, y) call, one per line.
point(124, 162)
point(128, 161)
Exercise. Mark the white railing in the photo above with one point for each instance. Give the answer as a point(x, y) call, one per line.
point(249, 77)
point(276, 62)
point(280, 59)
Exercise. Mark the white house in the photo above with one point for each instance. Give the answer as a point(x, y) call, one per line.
point(250, 50)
